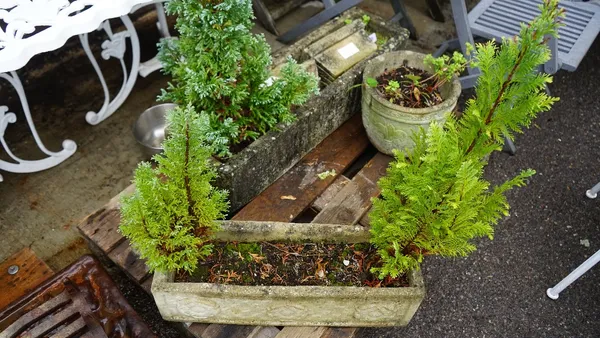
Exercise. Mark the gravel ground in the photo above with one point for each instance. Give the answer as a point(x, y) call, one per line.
point(499, 291)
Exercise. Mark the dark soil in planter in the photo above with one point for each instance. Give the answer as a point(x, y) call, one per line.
point(291, 264)
point(409, 95)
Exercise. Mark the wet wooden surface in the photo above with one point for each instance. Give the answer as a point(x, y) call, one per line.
point(32, 272)
point(334, 199)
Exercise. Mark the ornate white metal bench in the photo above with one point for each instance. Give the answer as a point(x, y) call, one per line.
point(31, 27)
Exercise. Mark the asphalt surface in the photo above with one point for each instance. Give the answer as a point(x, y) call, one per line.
point(499, 291)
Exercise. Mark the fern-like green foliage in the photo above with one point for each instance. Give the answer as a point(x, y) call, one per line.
point(222, 69)
point(171, 215)
point(434, 200)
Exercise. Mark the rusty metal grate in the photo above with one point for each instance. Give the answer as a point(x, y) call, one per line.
point(81, 301)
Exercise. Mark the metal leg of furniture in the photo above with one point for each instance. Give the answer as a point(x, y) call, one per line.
point(115, 46)
point(554, 292)
point(24, 166)
point(152, 65)
point(264, 17)
point(593, 193)
point(317, 20)
point(435, 10)
point(402, 17)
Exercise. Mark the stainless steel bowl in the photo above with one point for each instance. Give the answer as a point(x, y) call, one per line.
point(149, 129)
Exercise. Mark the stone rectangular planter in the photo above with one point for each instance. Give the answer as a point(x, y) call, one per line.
point(249, 172)
point(288, 305)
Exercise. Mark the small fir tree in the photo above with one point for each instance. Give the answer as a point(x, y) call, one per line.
point(435, 201)
point(171, 215)
point(222, 69)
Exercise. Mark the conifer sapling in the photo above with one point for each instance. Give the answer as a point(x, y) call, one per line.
point(171, 215)
point(434, 200)
point(223, 70)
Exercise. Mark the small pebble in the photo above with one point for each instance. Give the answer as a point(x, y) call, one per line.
point(585, 243)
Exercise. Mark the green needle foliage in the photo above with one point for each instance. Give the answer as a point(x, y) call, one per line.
point(222, 69)
point(171, 215)
point(435, 200)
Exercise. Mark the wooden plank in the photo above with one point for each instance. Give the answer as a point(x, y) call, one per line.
point(321, 202)
point(124, 256)
point(264, 332)
point(101, 226)
point(301, 332)
point(227, 331)
point(336, 152)
point(340, 332)
point(197, 329)
point(147, 284)
point(354, 199)
point(32, 272)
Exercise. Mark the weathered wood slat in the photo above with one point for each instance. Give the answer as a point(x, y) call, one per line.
point(227, 331)
point(301, 332)
point(321, 202)
point(102, 226)
point(340, 332)
point(197, 329)
point(354, 199)
point(330, 193)
point(32, 272)
point(301, 182)
point(264, 332)
point(147, 284)
point(124, 256)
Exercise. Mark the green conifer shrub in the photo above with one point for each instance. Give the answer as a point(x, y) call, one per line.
point(222, 69)
point(434, 200)
point(171, 215)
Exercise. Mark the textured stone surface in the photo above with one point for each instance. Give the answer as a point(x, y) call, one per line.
point(287, 305)
point(249, 172)
point(390, 126)
point(249, 231)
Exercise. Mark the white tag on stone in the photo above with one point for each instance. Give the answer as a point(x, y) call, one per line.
point(348, 50)
point(373, 37)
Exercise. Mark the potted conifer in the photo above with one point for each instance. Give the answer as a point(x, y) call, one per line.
point(404, 91)
point(435, 201)
point(223, 70)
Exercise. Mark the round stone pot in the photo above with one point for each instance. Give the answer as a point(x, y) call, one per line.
point(390, 126)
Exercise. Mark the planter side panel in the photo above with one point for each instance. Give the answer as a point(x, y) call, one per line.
point(302, 310)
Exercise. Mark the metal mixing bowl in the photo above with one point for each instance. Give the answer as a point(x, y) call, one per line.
point(149, 129)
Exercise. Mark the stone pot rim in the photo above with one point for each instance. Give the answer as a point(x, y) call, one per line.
point(449, 102)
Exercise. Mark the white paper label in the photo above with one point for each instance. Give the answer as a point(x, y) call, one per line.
point(373, 37)
point(348, 50)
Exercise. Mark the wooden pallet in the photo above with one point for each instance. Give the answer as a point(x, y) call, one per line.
point(335, 199)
